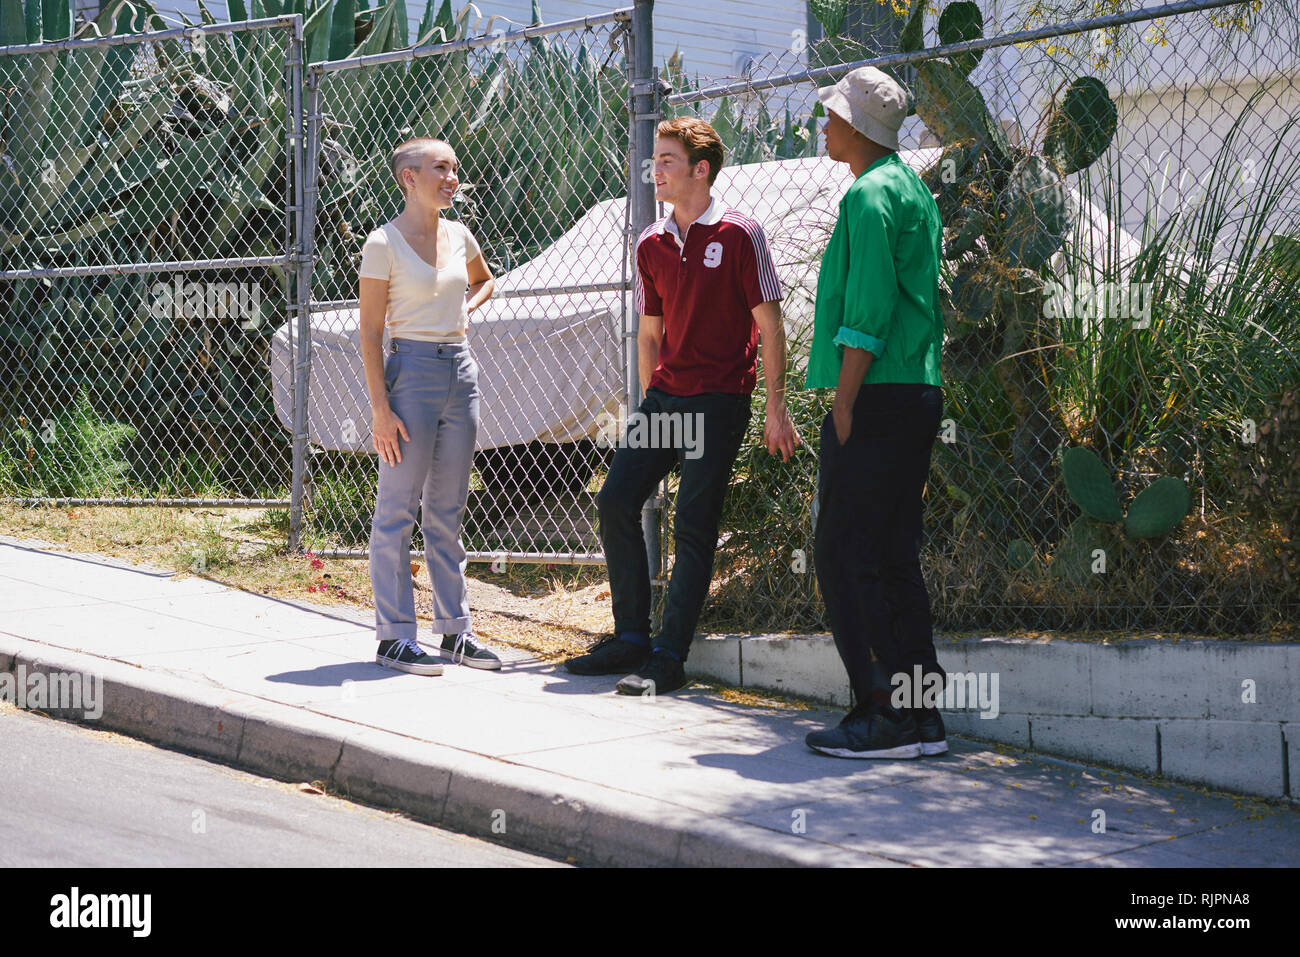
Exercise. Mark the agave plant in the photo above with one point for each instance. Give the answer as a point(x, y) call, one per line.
point(747, 128)
point(174, 149)
point(540, 132)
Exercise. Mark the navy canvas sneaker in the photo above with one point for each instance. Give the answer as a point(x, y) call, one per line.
point(404, 654)
point(466, 649)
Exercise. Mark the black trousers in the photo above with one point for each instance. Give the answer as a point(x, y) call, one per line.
point(633, 475)
point(868, 535)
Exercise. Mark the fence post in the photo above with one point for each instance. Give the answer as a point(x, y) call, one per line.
point(641, 197)
point(306, 198)
point(293, 159)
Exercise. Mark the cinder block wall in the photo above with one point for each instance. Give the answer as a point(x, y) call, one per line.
point(1223, 714)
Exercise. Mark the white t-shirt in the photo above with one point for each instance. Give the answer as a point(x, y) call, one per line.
point(423, 302)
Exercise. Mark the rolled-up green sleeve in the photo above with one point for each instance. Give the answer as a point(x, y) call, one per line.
point(871, 285)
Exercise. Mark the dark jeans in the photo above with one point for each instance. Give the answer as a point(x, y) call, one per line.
point(868, 535)
point(632, 478)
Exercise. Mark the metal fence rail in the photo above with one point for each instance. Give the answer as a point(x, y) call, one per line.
point(147, 243)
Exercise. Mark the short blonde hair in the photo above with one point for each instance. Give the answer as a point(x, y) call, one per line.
point(410, 154)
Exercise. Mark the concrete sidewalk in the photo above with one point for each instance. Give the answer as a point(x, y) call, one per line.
point(546, 761)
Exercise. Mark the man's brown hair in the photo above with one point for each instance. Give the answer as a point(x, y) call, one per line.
point(698, 139)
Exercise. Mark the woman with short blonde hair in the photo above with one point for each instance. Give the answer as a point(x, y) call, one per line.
point(422, 275)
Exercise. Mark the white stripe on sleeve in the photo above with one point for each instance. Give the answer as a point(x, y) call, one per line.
point(768, 283)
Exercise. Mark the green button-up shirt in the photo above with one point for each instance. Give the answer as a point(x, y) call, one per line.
point(879, 283)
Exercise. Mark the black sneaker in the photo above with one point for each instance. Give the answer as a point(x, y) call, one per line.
point(929, 727)
point(610, 655)
point(403, 654)
point(471, 652)
point(660, 675)
point(869, 733)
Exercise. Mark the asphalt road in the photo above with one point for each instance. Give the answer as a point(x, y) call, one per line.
point(72, 796)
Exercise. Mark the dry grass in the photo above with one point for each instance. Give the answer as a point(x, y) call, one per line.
point(551, 611)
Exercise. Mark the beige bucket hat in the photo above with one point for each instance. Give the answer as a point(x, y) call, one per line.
point(871, 101)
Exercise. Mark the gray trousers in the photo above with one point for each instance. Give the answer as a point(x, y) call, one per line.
point(433, 388)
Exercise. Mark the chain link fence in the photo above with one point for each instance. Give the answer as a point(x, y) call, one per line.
point(1122, 226)
point(147, 243)
point(538, 119)
point(1122, 256)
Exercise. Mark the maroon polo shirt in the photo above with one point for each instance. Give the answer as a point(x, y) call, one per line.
point(705, 289)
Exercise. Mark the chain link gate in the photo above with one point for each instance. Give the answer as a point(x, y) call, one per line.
point(1145, 314)
point(538, 120)
point(148, 230)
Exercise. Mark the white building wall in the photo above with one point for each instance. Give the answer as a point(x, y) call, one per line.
point(716, 37)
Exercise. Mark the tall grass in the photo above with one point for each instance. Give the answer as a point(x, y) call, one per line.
point(72, 453)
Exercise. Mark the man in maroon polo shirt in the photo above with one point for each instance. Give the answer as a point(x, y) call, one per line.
point(705, 289)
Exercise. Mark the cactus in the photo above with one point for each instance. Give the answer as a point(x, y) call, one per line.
point(953, 108)
point(830, 14)
point(962, 21)
point(1038, 213)
point(1019, 196)
point(1155, 512)
point(970, 226)
point(1073, 558)
point(1081, 127)
point(1089, 485)
point(1158, 508)
point(912, 36)
point(1020, 554)
point(972, 295)
point(951, 171)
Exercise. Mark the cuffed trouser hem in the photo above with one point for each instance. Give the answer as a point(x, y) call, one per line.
point(450, 626)
point(395, 630)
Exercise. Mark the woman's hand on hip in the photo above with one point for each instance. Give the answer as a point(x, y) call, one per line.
point(385, 428)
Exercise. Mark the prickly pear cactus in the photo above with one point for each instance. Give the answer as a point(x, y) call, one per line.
point(1090, 486)
point(962, 21)
point(1079, 554)
point(1158, 508)
point(1006, 211)
point(1081, 127)
point(1036, 213)
point(1154, 513)
point(1020, 554)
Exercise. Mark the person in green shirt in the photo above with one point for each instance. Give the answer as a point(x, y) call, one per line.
point(877, 340)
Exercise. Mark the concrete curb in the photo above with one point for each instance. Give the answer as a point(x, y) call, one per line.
point(1224, 714)
point(474, 794)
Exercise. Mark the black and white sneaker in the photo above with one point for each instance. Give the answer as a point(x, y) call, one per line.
point(929, 727)
point(404, 654)
point(866, 732)
point(466, 649)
